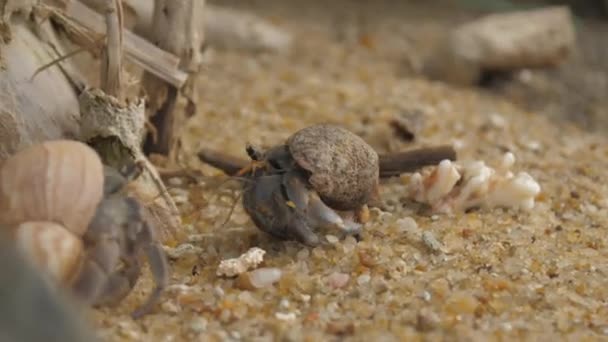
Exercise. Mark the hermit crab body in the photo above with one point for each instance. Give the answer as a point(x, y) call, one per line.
point(66, 213)
point(302, 185)
point(322, 176)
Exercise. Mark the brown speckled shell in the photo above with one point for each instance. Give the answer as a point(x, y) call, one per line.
point(344, 168)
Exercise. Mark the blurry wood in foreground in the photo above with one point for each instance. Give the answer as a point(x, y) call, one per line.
point(177, 29)
point(503, 42)
point(391, 164)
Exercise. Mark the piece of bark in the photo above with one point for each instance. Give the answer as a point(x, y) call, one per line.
point(38, 109)
point(177, 29)
point(503, 42)
point(391, 164)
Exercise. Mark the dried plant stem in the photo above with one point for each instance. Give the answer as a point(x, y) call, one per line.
point(111, 66)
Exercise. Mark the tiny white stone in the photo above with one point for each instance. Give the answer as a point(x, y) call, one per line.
point(498, 120)
point(431, 242)
point(175, 181)
point(332, 239)
point(218, 291)
point(407, 225)
point(170, 307)
point(290, 316)
point(198, 324)
point(363, 279)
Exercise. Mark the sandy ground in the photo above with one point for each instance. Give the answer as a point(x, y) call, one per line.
point(505, 274)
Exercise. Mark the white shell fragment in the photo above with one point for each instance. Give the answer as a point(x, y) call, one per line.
point(233, 267)
point(450, 187)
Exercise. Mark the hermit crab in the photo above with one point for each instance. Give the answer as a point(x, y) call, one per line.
point(66, 211)
point(323, 176)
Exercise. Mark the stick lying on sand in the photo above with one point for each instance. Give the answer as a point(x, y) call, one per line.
point(391, 164)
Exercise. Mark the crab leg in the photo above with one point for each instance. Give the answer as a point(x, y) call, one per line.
point(158, 265)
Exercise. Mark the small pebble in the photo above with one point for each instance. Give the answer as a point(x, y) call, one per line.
point(180, 199)
point(175, 181)
point(284, 303)
point(497, 120)
point(363, 279)
point(407, 225)
point(533, 145)
point(198, 324)
point(331, 239)
point(170, 307)
point(427, 320)
point(128, 329)
point(259, 278)
point(431, 242)
point(290, 316)
point(338, 280)
point(218, 291)
point(303, 254)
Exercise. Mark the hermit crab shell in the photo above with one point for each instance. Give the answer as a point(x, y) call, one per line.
point(343, 168)
point(58, 181)
point(52, 247)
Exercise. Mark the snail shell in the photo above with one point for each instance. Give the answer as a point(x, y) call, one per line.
point(57, 181)
point(51, 247)
point(344, 168)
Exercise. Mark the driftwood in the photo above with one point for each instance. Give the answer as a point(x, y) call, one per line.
point(391, 164)
point(177, 29)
